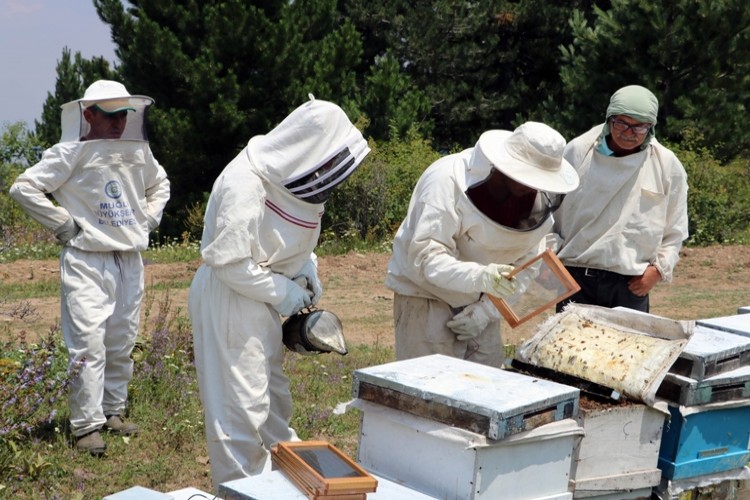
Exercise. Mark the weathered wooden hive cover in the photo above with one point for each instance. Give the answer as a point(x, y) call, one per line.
point(489, 401)
point(627, 351)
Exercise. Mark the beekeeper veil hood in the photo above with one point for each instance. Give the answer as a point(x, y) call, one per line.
point(107, 97)
point(636, 102)
point(310, 152)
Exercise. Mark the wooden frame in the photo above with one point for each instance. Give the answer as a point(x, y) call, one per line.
point(322, 471)
point(565, 280)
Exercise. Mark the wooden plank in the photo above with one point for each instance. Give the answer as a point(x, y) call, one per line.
point(456, 417)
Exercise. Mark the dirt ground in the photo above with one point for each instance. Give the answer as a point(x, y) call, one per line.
point(708, 282)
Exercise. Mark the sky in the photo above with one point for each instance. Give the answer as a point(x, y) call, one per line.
point(33, 34)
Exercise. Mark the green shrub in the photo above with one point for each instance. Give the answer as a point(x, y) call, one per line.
point(718, 198)
point(373, 201)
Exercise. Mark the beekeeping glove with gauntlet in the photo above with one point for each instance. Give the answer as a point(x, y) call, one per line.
point(295, 300)
point(473, 319)
point(310, 273)
point(67, 231)
point(495, 281)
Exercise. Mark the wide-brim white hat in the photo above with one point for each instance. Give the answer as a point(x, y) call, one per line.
point(111, 97)
point(533, 155)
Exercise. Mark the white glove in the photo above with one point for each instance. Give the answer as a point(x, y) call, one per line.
point(494, 280)
point(473, 319)
point(310, 272)
point(67, 231)
point(302, 282)
point(295, 300)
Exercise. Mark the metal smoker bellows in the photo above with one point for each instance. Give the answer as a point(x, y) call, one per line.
point(314, 331)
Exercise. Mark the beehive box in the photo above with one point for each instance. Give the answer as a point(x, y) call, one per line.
point(738, 324)
point(455, 464)
point(489, 401)
point(696, 443)
point(729, 386)
point(619, 454)
point(712, 352)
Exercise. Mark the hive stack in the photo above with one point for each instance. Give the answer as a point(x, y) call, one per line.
point(618, 359)
point(458, 430)
point(705, 442)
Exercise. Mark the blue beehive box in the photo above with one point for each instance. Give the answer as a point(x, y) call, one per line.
point(705, 442)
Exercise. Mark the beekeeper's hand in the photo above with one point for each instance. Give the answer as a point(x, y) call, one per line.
point(494, 280)
point(473, 319)
point(310, 273)
point(302, 282)
point(67, 231)
point(295, 300)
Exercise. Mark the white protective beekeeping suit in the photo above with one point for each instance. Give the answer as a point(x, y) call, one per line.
point(110, 194)
point(445, 243)
point(261, 225)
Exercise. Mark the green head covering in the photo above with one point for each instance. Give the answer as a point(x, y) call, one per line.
point(636, 102)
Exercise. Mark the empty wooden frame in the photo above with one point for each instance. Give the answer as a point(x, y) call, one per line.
point(542, 282)
point(321, 471)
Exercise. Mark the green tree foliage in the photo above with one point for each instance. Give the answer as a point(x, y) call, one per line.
point(19, 149)
point(693, 55)
point(483, 64)
point(74, 74)
point(374, 200)
point(393, 104)
point(223, 71)
point(719, 197)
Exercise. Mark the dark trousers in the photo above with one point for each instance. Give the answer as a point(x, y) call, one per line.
point(603, 288)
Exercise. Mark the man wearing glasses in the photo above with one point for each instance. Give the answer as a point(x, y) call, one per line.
point(621, 231)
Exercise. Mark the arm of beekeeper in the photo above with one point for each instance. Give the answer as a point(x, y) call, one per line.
point(157, 194)
point(231, 225)
point(30, 190)
point(676, 224)
point(434, 252)
point(244, 275)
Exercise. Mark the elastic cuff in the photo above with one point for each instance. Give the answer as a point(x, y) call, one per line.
point(662, 272)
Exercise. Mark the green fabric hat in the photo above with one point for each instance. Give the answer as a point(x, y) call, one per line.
point(636, 102)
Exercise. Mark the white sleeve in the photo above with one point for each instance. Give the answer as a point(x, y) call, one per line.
point(253, 281)
point(30, 189)
point(676, 228)
point(157, 195)
point(433, 250)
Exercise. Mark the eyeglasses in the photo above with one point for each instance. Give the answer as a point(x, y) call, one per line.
point(638, 128)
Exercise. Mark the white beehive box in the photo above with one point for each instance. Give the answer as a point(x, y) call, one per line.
point(619, 455)
point(455, 464)
point(489, 401)
point(710, 352)
point(739, 324)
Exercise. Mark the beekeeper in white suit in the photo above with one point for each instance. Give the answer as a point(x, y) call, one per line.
point(110, 194)
point(262, 223)
point(473, 215)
